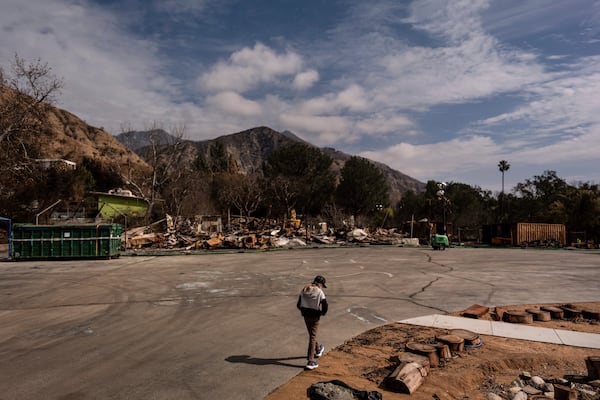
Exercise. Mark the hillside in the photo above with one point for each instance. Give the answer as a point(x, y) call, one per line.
point(71, 138)
point(252, 147)
point(68, 137)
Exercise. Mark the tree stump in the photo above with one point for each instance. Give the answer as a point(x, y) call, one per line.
point(539, 315)
point(571, 312)
point(555, 312)
point(475, 311)
point(593, 367)
point(498, 313)
point(471, 338)
point(443, 351)
point(454, 342)
point(588, 314)
point(407, 377)
point(517, 317)
point(426, 350)
point(564, 393)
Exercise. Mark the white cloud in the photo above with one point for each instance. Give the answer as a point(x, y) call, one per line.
point(464, 63)
point(231, 102)
point(352, 98)
point(473, 159)
point(323, 129)
point(451, 19)
point(420, 77)
point(305, 79)
point(564, 107)
point(382, 124)
point(581, 149)
point(452, 157)
point(249, 67)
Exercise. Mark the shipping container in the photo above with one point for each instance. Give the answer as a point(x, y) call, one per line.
point(65, 241)
point(525, 234)
point(549, 235)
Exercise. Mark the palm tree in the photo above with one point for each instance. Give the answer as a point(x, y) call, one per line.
point(503, 166)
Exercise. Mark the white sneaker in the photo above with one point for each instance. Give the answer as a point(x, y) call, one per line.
point(320, 351)
point(312, 365)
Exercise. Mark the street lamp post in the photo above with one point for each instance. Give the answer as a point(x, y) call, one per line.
point(441, 193)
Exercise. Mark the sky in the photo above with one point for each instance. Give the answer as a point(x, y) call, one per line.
point(437, 89)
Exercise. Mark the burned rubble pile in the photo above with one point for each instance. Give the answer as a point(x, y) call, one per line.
point(249, 233)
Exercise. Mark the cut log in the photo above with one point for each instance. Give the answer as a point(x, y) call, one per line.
point(564, 393)
point(571, 312)
point(588, 314)
point(408, 357)
point(498, 313)
point(593, 367)
point(472, 339)
point(468, 336)
point(475, 311)
point(539, 315)
point(443, 351)
point(406, 378)
point(517, 317)
point(555, 312)
point(425, 350)
point(455, 343)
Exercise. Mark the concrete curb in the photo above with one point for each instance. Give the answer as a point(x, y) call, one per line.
point(513, 331)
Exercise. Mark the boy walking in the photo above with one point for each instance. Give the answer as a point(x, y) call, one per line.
point(313, 304)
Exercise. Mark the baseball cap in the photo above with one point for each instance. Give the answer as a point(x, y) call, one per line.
point(320, 279)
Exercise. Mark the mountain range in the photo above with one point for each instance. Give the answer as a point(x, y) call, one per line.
point(251, 148)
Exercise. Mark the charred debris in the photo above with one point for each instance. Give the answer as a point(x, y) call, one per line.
point(202, 233)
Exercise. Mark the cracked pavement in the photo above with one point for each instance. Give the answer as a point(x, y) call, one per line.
point(225, 325)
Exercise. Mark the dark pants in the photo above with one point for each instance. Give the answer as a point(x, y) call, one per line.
point(312, 326)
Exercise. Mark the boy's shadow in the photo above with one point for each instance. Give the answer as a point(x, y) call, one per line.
point(246, 359)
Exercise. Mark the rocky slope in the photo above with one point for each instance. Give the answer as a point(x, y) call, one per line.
point(68, 137)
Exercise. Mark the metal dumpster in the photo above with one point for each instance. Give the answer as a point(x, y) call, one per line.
point(65, 241)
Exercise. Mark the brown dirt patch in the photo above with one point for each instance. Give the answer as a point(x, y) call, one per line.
point(364, 361)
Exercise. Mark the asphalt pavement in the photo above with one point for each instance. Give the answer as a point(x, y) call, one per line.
point(225, 326)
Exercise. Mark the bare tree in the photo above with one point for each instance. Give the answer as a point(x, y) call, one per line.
point(244, 192)
point(163, 155)
point(26, 92)
point(283, 191)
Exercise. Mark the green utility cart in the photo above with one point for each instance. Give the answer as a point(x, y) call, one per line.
point(439, 242)
point(65, 241)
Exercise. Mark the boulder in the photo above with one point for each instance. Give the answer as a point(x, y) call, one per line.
point(338, 390)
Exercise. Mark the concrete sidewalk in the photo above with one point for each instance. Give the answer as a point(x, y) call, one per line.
point(508, 330)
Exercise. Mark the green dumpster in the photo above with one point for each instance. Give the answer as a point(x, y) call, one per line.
point(66, 241)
